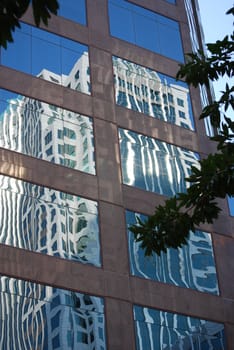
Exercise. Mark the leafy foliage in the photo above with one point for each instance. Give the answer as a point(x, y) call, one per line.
point(214, 178)
point(12, 10)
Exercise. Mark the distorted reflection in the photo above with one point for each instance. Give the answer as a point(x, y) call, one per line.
point(48, 221)
point(191, 266)
point(157, 330)
point(154, 165)
point(50, 57)
point(46, 318)
point(144, 90)
point(145, 28)
point(74, 10)
point(46, 131)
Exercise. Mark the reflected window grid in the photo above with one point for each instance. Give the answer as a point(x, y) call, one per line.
point(49, 222)
point(146, 29)
point(46, 132)
point(154, 165)
point(192, 266)
point(146, 91)
point(156, 329)
point(49, 57)
point(49, 318)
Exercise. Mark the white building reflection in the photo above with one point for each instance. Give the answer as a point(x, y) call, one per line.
point(41, 317)
point(144, 90)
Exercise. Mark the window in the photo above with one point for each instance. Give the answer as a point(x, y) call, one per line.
point(146, 91)
point(60, 58)
point(153, 165)
point(191, 266)
point(54, 313)
point(138, 24)
point(157, 329)
point(44, 130)
point(180, 102)
point(66, 226)
point(231, 205)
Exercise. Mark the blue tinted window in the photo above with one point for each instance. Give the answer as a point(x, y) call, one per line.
point(49, 222)
point(154, 94)
point(191, 266)
point(145, 28)
point(231, 205)
point(60, 319)
point(48, 56)
point(154, 165)
point(156, 329)
point(74, 10)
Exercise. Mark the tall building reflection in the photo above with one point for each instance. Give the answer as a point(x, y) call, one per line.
point(48, 221)
point(157, 329)
point(154, 165)
point(191, 266)
point(157, 95)
point(34, 316)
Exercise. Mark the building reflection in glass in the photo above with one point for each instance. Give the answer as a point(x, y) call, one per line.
point(50, 57)
point(46, 131)
point(157, 330)
point(153, 165)
point(33, 316)
point(191, 266)
point(48, 221)
point(157, 95)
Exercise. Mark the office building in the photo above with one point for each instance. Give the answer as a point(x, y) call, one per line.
point(95, 131)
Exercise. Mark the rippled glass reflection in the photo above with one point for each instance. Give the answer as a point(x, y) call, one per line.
point(48, 221)
point(191, 266)
point(157, 330)
point(34, 316)
point(73, 9)
point(154, 165)
point(50, 57)
point(45, 131)
point(144, 90)
point(145, 28)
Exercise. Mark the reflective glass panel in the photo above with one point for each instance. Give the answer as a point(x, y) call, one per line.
point(153, 165)
point(191, 266)
point(43, 317)
point(46, 131)
point(73, 9)
point(157, 330)
point(48, 221)
point(48, 56)
point(157, 95)
point(231, 205)
point(145, 28)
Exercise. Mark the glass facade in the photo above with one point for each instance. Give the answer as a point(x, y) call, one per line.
point(145, 28)
point(157, 330)
point(157, 95)
point(48, 221)
point(48, 56)
point(46, 131)
point(46, 318)
point(153, 165)
point(49, 237)
point(191, 266)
